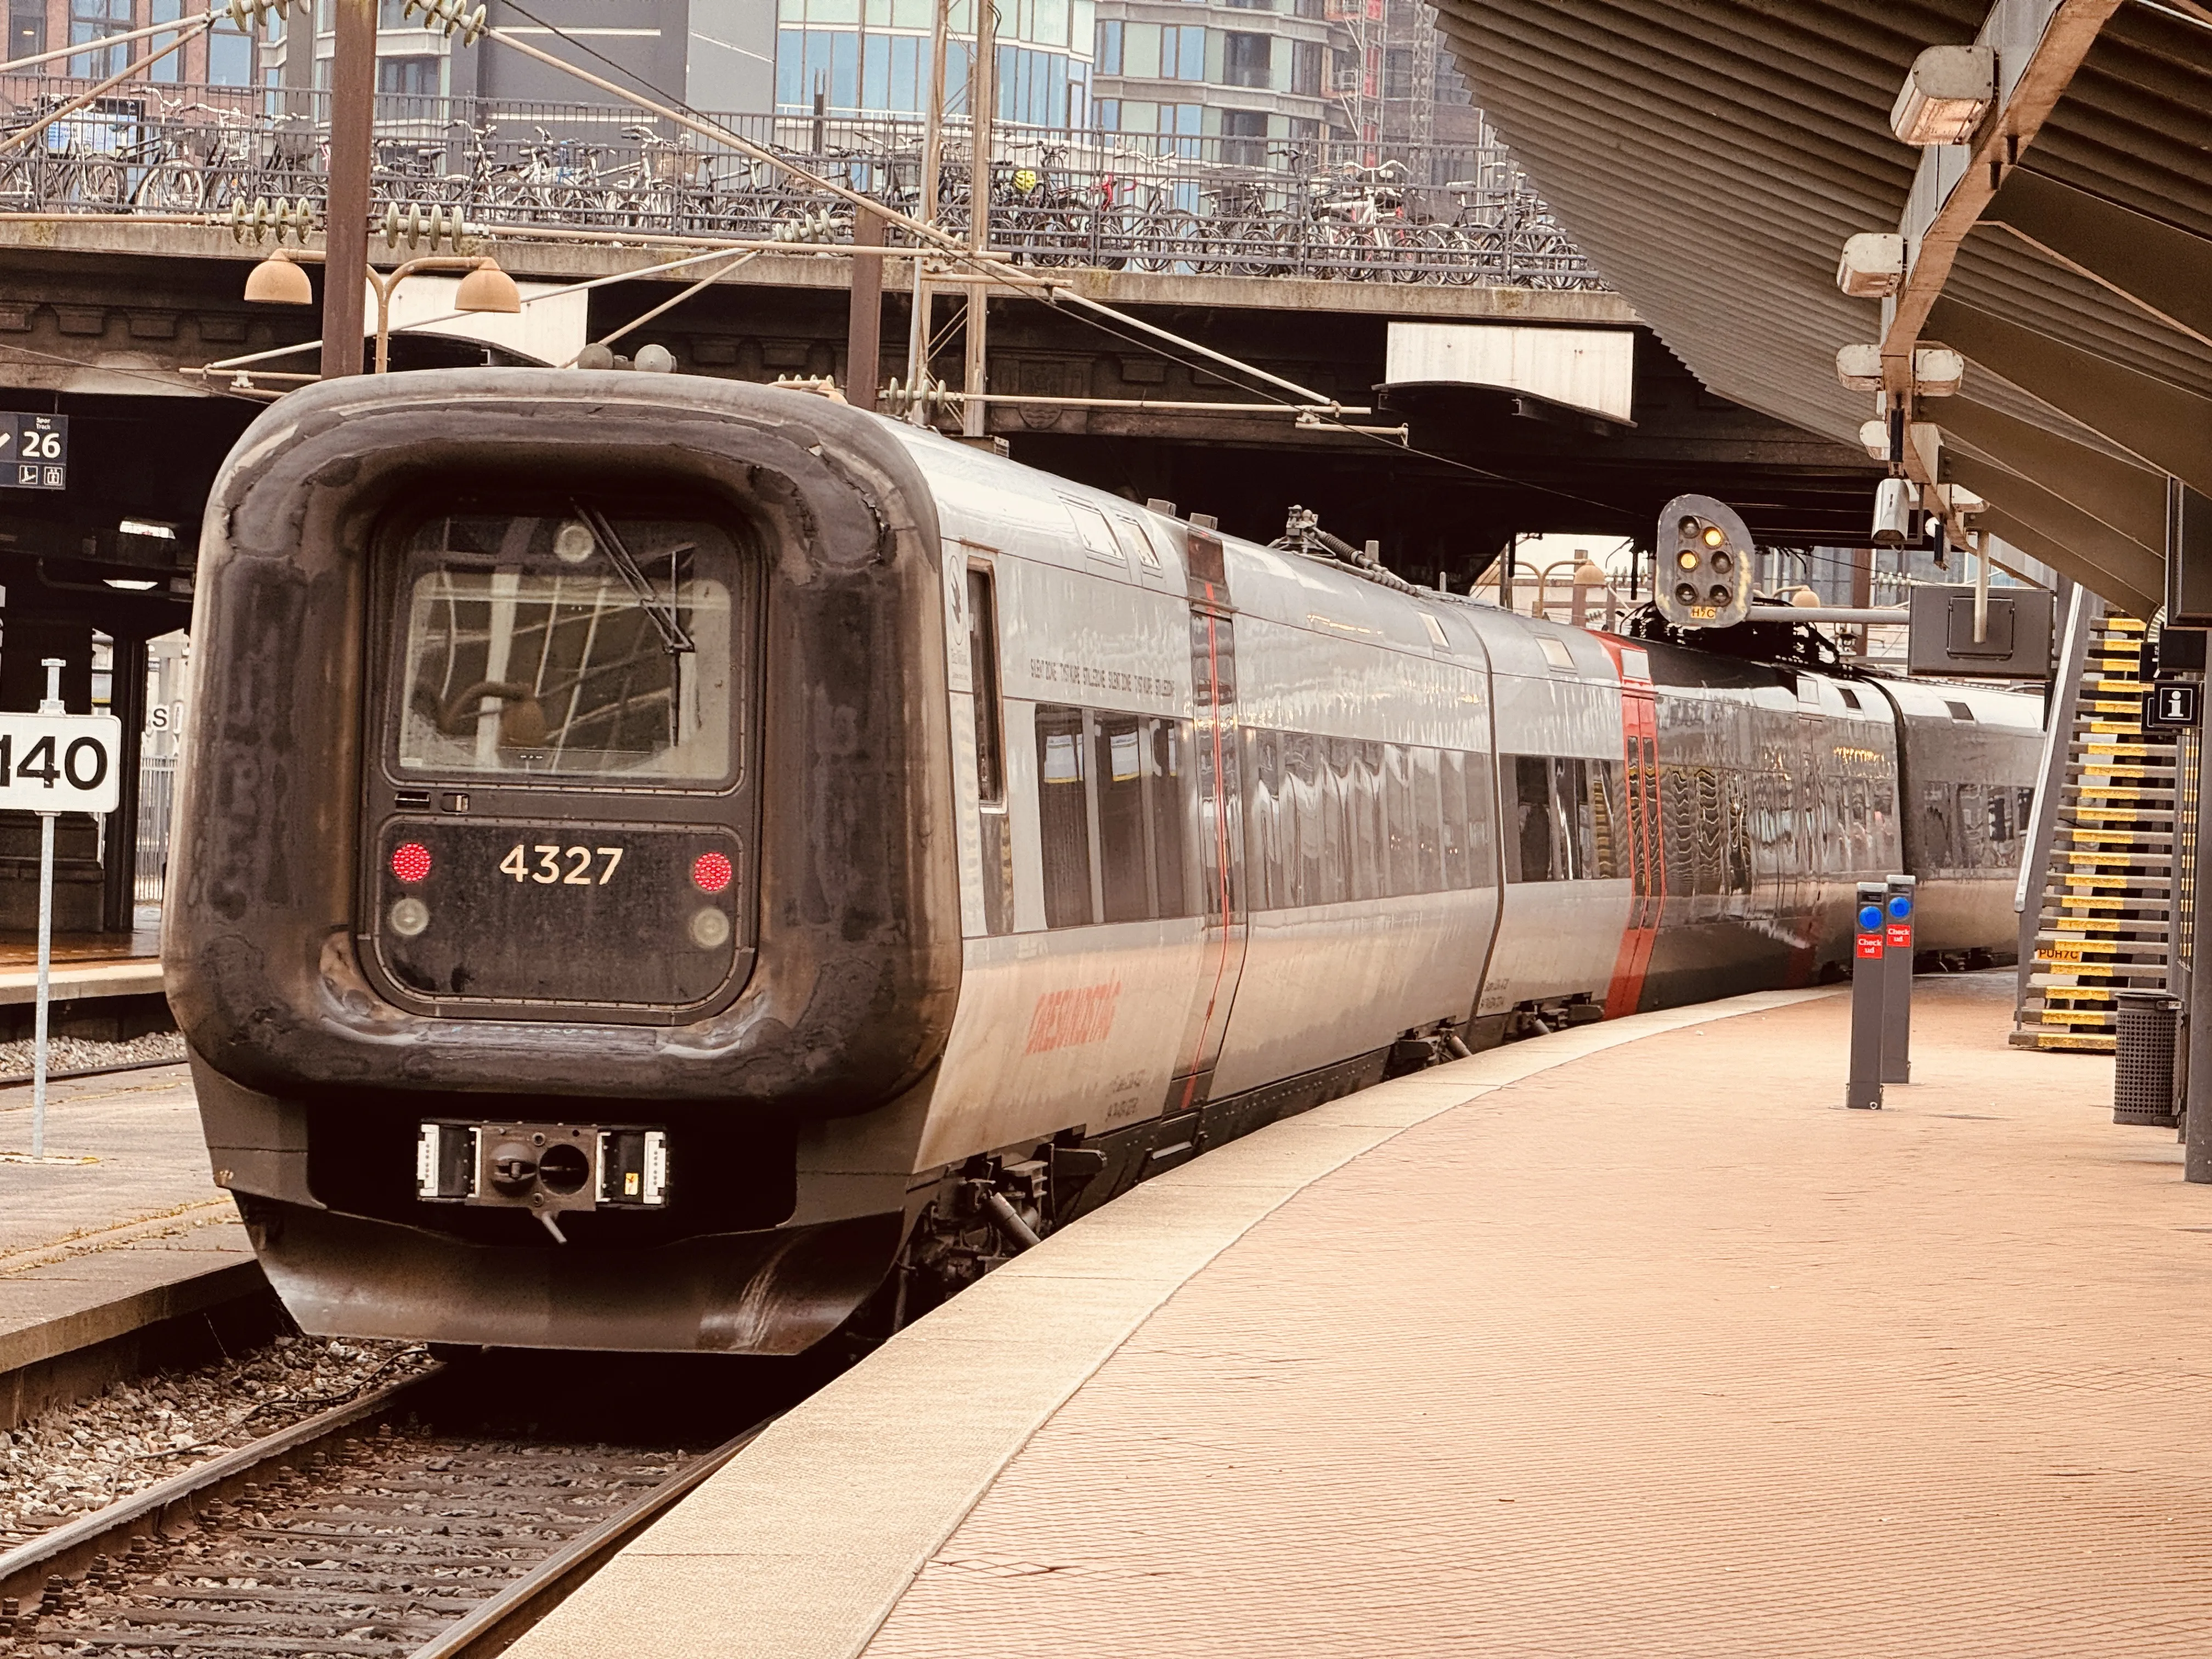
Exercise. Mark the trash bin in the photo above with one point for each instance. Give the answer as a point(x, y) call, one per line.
point(2143, 1081)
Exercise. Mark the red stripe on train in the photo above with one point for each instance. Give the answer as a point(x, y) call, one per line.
point(1639, 724)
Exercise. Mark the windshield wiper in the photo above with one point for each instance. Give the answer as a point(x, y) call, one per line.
point(673, 639)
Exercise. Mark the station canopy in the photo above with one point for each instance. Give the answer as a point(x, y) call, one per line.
point(1713, 156)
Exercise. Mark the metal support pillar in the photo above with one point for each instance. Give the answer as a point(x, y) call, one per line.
point(1861, 587)
point(932, 151)
point(1862, 1091)
point(982, 106)
point(345, 235)
point(2061, 702)
point(2197, 1119)
point(864, 323)
point(119, 865)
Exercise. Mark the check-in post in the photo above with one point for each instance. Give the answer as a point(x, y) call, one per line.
point(52, 762)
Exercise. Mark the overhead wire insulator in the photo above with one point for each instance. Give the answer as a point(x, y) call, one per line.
point(454, 13)
point(416, 225)
point(247, 13)
point(256, 220)
point(935, 396)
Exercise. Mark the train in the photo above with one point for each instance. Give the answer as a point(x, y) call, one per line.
point(665, 864)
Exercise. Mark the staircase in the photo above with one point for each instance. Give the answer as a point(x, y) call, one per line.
point(2107, 893)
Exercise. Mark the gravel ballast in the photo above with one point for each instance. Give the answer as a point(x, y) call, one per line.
point(81, 1053)
point(78, 1457)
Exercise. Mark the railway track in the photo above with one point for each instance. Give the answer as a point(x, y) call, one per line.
point(397, 1526)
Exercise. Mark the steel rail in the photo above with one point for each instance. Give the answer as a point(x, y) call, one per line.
point(499, 1622)
point(72, 1545)
point(24, 1080)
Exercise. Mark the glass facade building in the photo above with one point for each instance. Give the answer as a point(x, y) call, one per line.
point(872, 57)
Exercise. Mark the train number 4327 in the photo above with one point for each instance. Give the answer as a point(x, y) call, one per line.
point(571, 866)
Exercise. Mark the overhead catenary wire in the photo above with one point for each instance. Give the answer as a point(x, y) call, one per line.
point(955, 251)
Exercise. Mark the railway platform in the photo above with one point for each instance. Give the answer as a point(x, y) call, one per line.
point(119, 1240)
point(1628, 1340)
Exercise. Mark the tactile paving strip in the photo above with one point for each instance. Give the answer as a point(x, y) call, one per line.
point(1658, 1353)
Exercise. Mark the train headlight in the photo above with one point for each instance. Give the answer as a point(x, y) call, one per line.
point(710, 929)
point(409, 917)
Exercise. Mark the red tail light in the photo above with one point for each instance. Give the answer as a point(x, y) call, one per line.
point(410, 860)
point(710, 873)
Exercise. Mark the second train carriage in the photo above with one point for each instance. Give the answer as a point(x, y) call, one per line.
point(671, 850)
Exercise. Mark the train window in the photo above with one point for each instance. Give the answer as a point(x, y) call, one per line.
point(1590, 798)
point(1971, 819)
point(1263, 851)
point(1305, 834)
point(1429, 816)
point(1959, 711)
point(983, 655)
point(1451, 785)
point(1850, 698)
point(1063, 817)
point(1371, 838)
point(996, 843)
point(1173, 872)
point(1401, 817)
point(1119, 754)
point(571, 647)
point(1936, 846)
point(1532, 846)
point(1331, 767)
point(1678, 814)
point(1739, 832)
point(1708, 839)
point(1480, 842)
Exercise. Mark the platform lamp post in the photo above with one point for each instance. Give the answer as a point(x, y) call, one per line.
point(280, 280)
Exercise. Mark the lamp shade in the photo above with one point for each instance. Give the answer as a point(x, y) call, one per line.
point(487, 289)
point(278, 281)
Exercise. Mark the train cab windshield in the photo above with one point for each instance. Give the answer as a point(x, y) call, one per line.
point(570, 645)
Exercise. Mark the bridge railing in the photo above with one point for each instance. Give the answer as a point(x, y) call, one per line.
point(1208, 205)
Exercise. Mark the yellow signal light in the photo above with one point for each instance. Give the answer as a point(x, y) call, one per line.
point(1687, 559)
point(1715, 535)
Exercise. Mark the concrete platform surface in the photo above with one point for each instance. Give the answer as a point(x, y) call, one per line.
point(81, 965)
point(90, 1250)
point(1628, 1341)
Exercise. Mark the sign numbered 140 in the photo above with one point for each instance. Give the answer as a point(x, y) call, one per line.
point(59, 762)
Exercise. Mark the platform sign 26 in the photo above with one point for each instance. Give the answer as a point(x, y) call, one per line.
point(33, 452)
point(59, 762)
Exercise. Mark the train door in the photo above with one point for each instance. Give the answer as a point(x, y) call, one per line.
point(1220, 827)
point(1646, 871)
